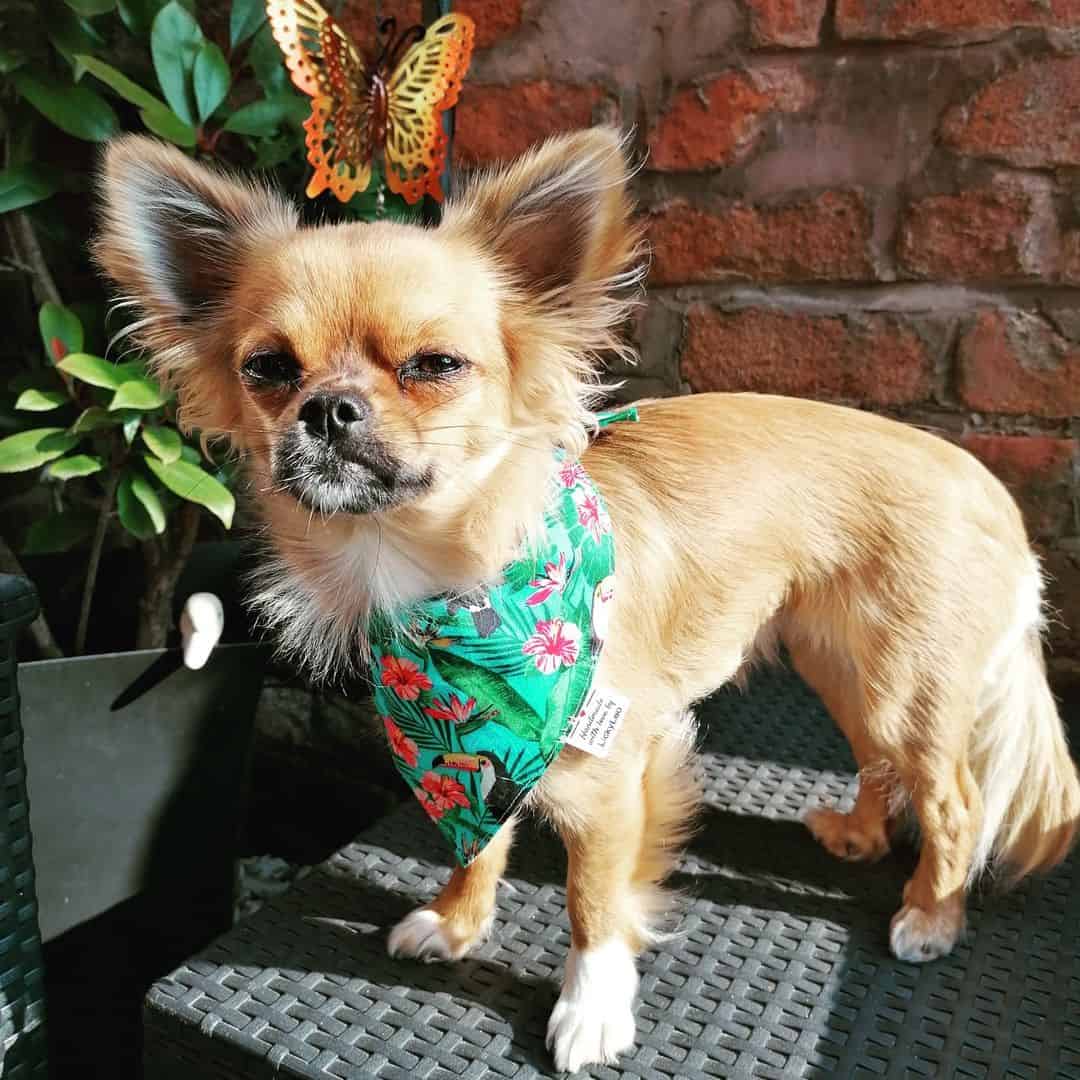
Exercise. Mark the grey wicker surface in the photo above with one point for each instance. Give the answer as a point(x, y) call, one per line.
point(22, 986)
point(780, 967)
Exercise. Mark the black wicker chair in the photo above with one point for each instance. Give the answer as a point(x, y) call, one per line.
point(22, 984)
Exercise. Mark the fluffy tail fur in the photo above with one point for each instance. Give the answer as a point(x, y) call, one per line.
point(1019, 754)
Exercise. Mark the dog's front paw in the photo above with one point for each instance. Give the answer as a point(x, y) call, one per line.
point(593, 1020)
point(917, 936)
point(426, 935)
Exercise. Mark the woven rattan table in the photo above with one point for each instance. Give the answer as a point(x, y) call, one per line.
point(780, 968)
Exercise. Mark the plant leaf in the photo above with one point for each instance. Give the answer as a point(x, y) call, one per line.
point(138, 15)
point(245, 17)
point(271, 152)
point(31, 449)
point(211, 79)
point(69, 34)
point(190, 455)
point(94, 418)
point(58, 532)
point(175, 41)
point(95, 371)
point(144, 491)
point(164, 122)
point(132, 513)
point(41, 400)
point(165, 442)
point(267, 62)
point(24, 185)
point(196, 485)
point(89, 8)
point(260, 118)
point(78, 110)
point(118, 81)
point(10, 59)
point(67, 468)
point(137, 393)
point(61, 331)
point(23, 135)
point(131, 425)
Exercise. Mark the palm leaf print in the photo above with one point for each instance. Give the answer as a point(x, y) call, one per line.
point(499, 654)
point(515, 713)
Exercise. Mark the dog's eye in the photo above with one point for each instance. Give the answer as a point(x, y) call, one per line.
point(429, 366)
point(271, 370)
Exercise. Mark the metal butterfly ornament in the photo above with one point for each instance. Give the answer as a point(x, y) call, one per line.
point(393, 104)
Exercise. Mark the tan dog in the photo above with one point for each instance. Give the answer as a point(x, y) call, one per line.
point(440, 368)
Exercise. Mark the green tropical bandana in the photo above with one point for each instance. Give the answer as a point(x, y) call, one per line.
point(479, 691)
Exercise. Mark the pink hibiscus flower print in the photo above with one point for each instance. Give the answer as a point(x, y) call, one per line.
point(553, 579)
point(400, 743)
point(403, 677)
point(424, 798)
point(571, 474)
point(455, 710)
point(592, 515)
point(556, 642)
point(438, 794)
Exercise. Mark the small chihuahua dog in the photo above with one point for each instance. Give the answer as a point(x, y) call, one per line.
point(398, 394)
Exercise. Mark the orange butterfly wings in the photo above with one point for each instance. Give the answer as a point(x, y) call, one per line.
point(393, 104)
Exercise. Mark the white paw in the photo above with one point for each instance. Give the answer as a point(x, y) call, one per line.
point(917, 936)
point(422, 935)
point(593, 1020)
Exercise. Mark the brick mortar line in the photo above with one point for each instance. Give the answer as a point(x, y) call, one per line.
point(902, 297)
point(832, 45)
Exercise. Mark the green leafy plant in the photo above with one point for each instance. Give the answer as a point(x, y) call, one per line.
point(222, 91)
point(101, 436)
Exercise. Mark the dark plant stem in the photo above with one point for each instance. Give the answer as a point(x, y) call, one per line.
point(164, 558)
point(27, 251)
point(96, 546)
point(25, 247)
point(40, 632)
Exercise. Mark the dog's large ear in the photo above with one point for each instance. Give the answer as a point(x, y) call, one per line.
point(174, 234)
point(558, 218)
point(174, 237)
point(557, 224)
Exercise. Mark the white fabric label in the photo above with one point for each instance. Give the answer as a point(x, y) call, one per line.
point(597, 722)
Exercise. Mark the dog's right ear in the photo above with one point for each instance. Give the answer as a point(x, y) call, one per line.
point(558, 219)
point(175, 235)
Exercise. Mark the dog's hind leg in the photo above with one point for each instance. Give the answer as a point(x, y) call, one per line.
point(861, 834)
point(932, 764)
point(462, 914)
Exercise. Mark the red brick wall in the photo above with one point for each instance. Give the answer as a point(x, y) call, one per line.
point(867, 201)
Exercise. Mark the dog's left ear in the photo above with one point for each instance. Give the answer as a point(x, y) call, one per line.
point(174, 234)
point(176, 238)
point(558, 218)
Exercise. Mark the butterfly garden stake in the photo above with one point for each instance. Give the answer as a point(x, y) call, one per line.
point(392, 104)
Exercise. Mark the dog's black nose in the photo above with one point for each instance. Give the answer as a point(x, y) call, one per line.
point(332, 417)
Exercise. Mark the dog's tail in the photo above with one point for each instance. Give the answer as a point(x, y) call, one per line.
point(1019, 754)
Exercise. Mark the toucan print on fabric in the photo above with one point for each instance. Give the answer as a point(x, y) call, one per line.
point(477, 691)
